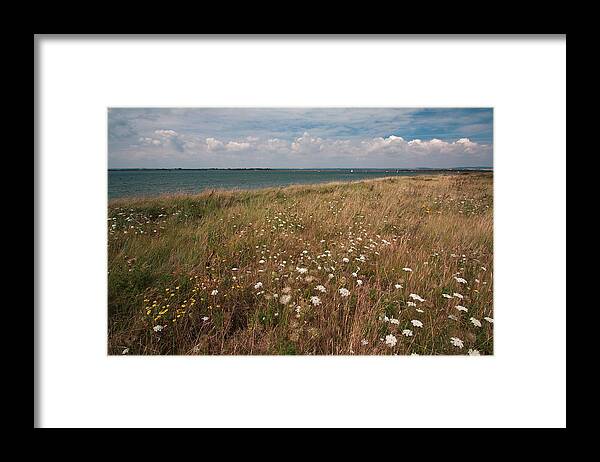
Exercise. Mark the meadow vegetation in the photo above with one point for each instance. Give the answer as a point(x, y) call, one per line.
point(397, 265)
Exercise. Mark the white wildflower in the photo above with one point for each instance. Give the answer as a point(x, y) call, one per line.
point(460, 280)
point(359, 282)
point(457, 295)
point(473, 352)
point(321, 288)
point(475, 322)
point(364, 342)
point(344, 292)
point(214, 292)
point(315, 300)
point(446, 296)
point(285, 299)
point(456, 342)
point(416, 323)
point(411, 303)
point(390, 340)
point(407, 332)
point(157, 328)
point(490, 320)
point(416, 297)
point(258, 285)
point(407, 269)
point(398, 286)
point(461, 308)
point(345, 260)
point(125, 351)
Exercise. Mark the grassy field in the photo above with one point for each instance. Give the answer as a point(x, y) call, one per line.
point(390, 266)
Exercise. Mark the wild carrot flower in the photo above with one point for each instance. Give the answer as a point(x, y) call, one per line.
point(344, 292)
point(461, 308)
point(285, 299)
point(345, 260)
point(359, 282)
point(394, 321)
point(473, 352)
point(446, 296)
point(411, 303)
point(125, 351)
point(398, 286)
point(315, 300)
point(364, 342)
point(456, 342)
point(390, 340)
point(205, 318)
point(416, 323)
point(286, 290)
point(214, 292)
point(407, 332)
point(460, 280)
point(157, 328)
point(258, 285)
point(407, 269)
point(457, 295)
point(490, 320)
point(302, 270)
point(416, 297)
point(475, 322)
point(321, 288)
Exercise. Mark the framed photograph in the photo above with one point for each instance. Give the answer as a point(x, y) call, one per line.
point(360, 219)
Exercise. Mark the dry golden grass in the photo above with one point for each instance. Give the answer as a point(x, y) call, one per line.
point(184, 270)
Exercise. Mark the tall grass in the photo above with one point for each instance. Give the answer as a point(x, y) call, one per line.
point(184, 271)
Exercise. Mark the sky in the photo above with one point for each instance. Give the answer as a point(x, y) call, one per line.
point(299, 137)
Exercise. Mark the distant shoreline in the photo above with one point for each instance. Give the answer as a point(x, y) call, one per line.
point(358, 169)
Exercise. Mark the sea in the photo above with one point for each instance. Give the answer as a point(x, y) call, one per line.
point(148, 183)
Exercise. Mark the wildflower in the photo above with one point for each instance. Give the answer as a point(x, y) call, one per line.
point(407, 332)
point(261, 261)
point(398, 286)
point(475, 322)
point(315, 300)
point(345, 260)
point(390, 340)
point(302, 270)
point(416, 323)
point(394, 321)
point(364, 342)
point(286, 290)
point(125, 351)
point(407, 270)
point(456, 342)
point(330, 276)
point(461, 308)
point(157, 328)
point(205, 318)
point(258, 285)
point(457, 295)
point(411, 303)
point(474, 352)
point(214, 292)
point(321, 288)
point(460, 280)
point(490, 320)
point(359, 282)
point(446, 296)
point(451, 316)
point(344, 292)
point(285, 299)
point(416, 297)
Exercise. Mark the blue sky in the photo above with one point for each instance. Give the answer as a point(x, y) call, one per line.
point(299, 137)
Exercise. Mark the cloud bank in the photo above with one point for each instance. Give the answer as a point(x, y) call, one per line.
point(193, 142)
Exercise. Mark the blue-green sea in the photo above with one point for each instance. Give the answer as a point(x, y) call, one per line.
point(128, 183)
